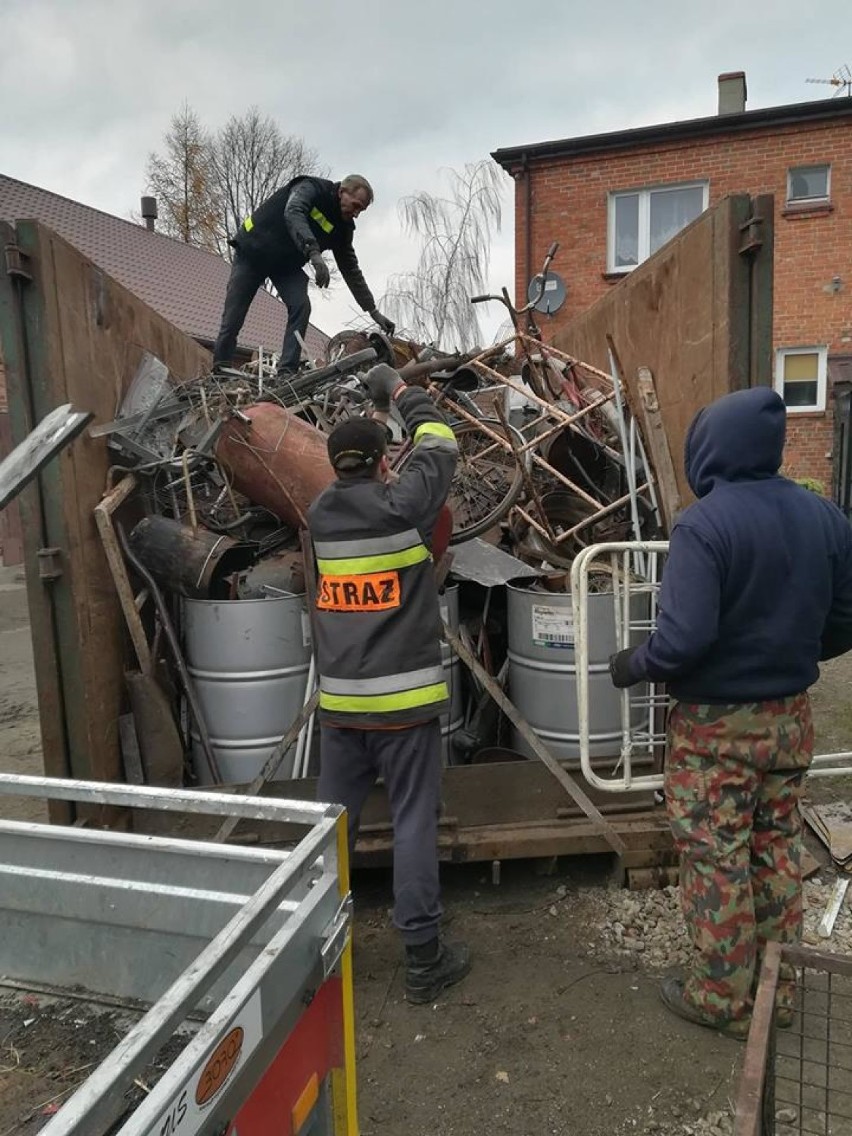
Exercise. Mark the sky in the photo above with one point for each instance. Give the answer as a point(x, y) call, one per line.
point(399, 91)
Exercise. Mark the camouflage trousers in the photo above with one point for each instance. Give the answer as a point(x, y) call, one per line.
point(733, 780)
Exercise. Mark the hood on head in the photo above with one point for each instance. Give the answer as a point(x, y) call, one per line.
point(740, 437)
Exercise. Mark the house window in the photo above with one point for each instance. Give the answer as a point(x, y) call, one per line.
point(642, 220)
point(800, 377)
point(807, 183)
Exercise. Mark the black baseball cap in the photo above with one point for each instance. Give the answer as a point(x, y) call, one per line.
point(357, 444)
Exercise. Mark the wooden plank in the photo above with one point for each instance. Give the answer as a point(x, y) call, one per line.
point(762, 293)
point(657, 443)
point(103, 518)
point(509, 792)
point(535, 743)
point(730, 294)
point(11, 533)
point(749, 1113)
point(647, 843)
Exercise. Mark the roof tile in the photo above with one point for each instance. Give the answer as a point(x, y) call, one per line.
point(184, 284)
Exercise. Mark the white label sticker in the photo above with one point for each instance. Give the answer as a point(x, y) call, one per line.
point(552, 626)
point(551, 285)
point(306, 629)
point(188, 1110)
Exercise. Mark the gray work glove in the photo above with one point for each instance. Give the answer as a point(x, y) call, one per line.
point(381, 381)
point(321, 273)
point(386, 325)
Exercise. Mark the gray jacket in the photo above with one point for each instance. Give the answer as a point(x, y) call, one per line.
point(377, 620)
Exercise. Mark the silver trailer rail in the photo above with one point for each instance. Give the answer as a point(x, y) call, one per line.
point(241, 936)
point(631, 569)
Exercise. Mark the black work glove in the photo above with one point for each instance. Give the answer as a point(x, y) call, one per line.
point(321, 273)
point(619, 668)
point(381, 381)
point(386, 325)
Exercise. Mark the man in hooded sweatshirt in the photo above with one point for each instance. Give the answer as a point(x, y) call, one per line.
point(757, 589)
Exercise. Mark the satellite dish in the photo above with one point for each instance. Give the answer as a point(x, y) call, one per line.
point(553, 296)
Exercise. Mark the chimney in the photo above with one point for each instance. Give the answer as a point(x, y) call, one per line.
point(149, 212)
point(732, 92)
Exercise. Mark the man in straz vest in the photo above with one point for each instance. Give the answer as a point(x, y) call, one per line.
point(295, 225)
point(378, 628)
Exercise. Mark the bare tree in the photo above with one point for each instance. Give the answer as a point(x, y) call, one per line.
point(207, 184)
point(433, 302)
point(181, 178)
point(251, 158)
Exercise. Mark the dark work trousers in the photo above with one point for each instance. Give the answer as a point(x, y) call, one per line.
point(409, 761)
point(245, 279)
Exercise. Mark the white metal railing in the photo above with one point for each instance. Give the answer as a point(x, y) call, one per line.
point(634, 570)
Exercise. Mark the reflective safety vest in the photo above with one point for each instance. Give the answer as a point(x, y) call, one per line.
point(377, 618)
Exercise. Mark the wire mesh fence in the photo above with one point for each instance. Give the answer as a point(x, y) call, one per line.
point(797, 1076)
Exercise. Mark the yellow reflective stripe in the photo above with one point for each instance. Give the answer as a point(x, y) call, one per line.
point(362, 565)
point(248, 224)
point(321, 220)
point(344, 1090)
point(438, 429)
point(381, 703)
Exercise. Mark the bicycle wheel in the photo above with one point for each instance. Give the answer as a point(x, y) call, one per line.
point(487, 481)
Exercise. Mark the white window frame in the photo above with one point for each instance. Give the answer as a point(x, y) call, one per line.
point(809, 200)
point(644, 192)
point(820, 350)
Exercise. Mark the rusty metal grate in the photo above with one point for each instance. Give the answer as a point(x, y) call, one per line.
point(798, 1081)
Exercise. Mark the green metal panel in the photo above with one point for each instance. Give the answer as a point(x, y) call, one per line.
point(17, 294)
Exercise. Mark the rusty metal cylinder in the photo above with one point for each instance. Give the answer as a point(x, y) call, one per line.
point(276, 460)
point(193, 562)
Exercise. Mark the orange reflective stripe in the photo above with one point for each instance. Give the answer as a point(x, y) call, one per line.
point(376, 591)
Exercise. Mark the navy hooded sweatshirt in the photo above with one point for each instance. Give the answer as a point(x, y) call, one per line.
point(757, 587)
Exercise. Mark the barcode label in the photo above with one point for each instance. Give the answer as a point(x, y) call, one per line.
point(552, 626)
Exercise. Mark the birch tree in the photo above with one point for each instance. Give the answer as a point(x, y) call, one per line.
point(432, 303)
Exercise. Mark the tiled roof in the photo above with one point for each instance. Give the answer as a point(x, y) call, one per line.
point(184, 284)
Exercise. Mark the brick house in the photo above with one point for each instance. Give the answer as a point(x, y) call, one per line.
point(613, 199)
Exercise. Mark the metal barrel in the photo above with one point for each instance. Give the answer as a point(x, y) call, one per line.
point(542, 671)
point(453, 721)
point(249, 661)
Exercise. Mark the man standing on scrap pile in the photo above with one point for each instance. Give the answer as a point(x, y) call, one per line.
point(756, 591)
point(290, 228)
point(378, 632)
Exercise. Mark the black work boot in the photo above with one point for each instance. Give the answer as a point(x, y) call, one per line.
point(432, 967)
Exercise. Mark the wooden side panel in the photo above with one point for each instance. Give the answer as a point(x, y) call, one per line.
point(83, 336)
point(11, 535)
point(686, 316)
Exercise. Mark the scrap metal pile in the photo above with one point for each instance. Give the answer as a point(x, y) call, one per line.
point(212, 478)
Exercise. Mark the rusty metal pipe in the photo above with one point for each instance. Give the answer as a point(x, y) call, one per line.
point(276, 460)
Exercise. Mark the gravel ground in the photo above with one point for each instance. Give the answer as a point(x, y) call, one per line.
point(647, 927)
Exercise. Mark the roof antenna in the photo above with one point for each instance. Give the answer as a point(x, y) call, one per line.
point(841, 79)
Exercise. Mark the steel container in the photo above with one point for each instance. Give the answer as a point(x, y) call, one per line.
point(542, 671)
point(453, 721)
point(249, 661)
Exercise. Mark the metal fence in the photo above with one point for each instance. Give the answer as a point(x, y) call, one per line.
point(798, 1081)
point(627, 570)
